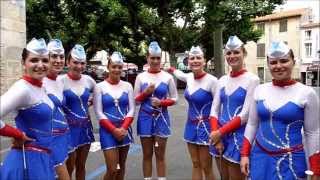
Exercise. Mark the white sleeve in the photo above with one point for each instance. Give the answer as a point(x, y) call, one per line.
point(215, 107)
point(312, 123)
point(253, 121)
point(131, 102)
point(244, 114)
point(180, 75)
point(92, 83)
point(16, 97)
point(97, 103)
point(173, 93)
point(137, 86)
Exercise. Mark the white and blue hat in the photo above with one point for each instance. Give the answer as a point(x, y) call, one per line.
point(78, 53)
point(55, 47)
point(37, 46)
point(233, 43)
point(195, 51)
point(278, 49)
point(117, 58)
point(154, 49)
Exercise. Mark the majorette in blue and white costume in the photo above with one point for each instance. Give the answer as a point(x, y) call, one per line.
point(77, 92)
point(60, 128)
point(199, 93)
point(154, 121)
point(277, 115)
point(114, 106)
point(231, 106)
point(33, 109)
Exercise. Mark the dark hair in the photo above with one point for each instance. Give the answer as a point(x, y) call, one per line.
point(24, 55)
point(68, 57)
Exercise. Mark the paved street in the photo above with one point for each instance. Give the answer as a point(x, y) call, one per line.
point(178, 161)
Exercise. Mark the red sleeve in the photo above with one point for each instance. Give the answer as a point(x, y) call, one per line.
point(213, 123)
point(171, 70)
point(314, 161)
point(105, 123)
point(141, 97)
point(246, 148)
point(231, 126)
point(11, 132)
point(127, 122)
point(167, 102)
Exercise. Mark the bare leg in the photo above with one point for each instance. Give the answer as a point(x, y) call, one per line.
point(123, 152)
point(235, 171)
point(160, 153)
point(71, 163)
point(206, 162)
point(147, 150)
point(62, 172)
point(111, 157)
point(82, 154)
point(224, 173)
point(195, 158)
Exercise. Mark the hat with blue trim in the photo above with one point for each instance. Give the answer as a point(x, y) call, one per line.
point(154, 49)
point(37, 46)
point(78, 53)
point(55, 46)
point(117, 58)
point(278, 49)
point(233, 43)
point(195, 50)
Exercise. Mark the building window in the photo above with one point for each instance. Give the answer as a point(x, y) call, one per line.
point(261, 74)
point(283, 25)
point(307, 34)
point(261, 50)
point(308, 48)
point(260, 26)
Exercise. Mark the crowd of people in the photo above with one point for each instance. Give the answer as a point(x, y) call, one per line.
point(266, 131)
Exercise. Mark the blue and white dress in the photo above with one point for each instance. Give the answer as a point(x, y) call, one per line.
point(34, 111)
point(114, 102)
point(232, 99)
point(60, 128)
point(155, 121)
point(276, 119)
point(77, 94)
point(199, 93)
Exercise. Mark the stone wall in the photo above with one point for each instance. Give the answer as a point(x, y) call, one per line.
point(12, 41)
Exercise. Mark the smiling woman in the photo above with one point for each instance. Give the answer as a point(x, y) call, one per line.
point(30, 158)
point(278, 113)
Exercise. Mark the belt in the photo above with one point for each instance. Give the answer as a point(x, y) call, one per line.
point(198, 119)
point(295, 148)
point(32, 147)
point(153, 113)
point(60, 131)
point(78, 123)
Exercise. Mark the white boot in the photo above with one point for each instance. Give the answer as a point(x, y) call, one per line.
point(147, 178)
point(162, 178)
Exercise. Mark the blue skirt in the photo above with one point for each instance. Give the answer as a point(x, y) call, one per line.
point(148, 125)
point(108, 141)
point(232, 145)
point(197, 133)
point(264, 166)
point(59, 148)
point(38, 166)
point(80, 136)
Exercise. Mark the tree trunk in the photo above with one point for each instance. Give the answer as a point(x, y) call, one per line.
point(218, 52)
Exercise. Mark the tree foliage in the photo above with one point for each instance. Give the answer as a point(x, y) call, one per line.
point(129, 25)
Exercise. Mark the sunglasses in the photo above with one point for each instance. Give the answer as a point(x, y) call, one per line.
point(232, 52)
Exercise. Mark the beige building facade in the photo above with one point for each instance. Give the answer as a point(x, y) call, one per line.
point(12, 41)
point(284, 26)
